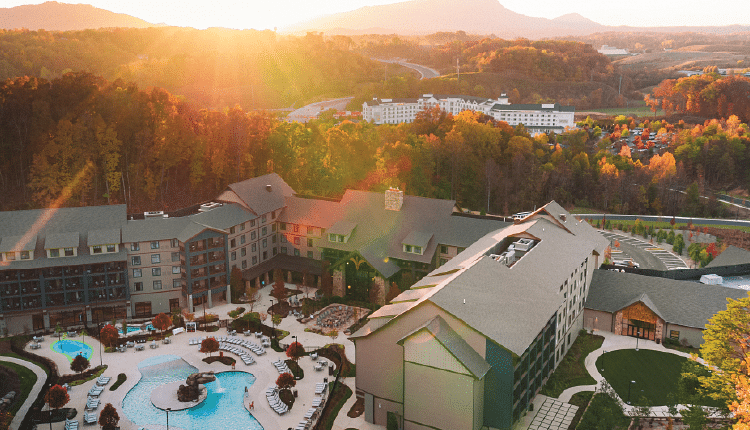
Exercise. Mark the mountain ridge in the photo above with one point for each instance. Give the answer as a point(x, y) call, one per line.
point(54, 16)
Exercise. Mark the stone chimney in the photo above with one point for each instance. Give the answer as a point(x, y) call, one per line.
point(394, 199)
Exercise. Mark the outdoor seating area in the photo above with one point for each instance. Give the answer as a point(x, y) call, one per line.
point(281, 367)
point(140, 347)
point(95, 391)
point(272, 395)
point(35, 346)
point(103, 380)
point(92, 404)
point(154, 345)
point(244, 356)
point(89, 418)
point(38, 339)
point(72, 334)
point(71, 424)
point(320, 388)
point(334, 316)
point(258, 350)
point(320, 365)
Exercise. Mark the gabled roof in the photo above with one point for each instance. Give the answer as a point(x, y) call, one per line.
point(417, 238)
point(731, 256)
point(685, 303)
point(18, 243)
point(343, 227)
point(62, 240)
point(147, 230)
point(41, 222)
point(311, 212)
point(223, 217)
point(454, 344)
point(256, 195)
point(643, 298)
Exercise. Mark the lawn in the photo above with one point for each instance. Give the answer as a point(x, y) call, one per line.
point(581, 400)
point(572, 372)
point(655, 374)
point(603, 413)
point(28, 379)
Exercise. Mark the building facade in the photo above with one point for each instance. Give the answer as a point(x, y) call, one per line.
point(489, 327)
point(537, 118)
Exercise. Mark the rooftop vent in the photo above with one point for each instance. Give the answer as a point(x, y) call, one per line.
point(514, 252)
point(269, 188)
point(205, 207)
point(562, 217)
point(153, 214)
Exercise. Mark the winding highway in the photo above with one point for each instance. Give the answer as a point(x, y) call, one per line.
point(425, 72)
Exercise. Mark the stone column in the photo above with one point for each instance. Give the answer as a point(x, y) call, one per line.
point(338, 283)
point(45, 316)
point(128, 311)
point(380, 285)
point(289, 276)
point(210, 301)
point(265, 278)
point(618, 323)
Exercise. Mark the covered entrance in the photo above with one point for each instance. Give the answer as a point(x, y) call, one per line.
point(640, 320)
point(641, 329)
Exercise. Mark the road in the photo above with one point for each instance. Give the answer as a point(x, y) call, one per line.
point(425, 72)
point(679, 219)
point(311, 111)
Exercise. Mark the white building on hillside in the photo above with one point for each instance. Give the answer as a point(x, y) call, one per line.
point(537, 118)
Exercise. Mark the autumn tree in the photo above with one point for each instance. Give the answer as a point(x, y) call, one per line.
point(108, 418)
point(236, 283)
point(79, 364)
point(285, 381)
point(56, 398)
point(162, 322)
point(279, 286)
point(109, 335)
point(209, 345)
point(295, 351)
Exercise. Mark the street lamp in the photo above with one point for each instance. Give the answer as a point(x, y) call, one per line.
point(630, 385)
point(168, 410)
point(637, 338)
point(100, 345)
point(273, 324)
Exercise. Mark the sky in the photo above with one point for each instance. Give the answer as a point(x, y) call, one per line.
point(267, 14)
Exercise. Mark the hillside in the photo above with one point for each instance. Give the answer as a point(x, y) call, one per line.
point(431, 16)
point(62, 16)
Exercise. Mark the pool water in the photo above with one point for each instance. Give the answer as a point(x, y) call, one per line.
point(72, 348)
point(135, 328)
point(223, 408)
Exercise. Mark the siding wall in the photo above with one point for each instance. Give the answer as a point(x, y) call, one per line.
point(438, 398)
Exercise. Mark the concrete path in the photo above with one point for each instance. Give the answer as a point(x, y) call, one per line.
point(613, 342)
point(343, 422)
point(41, 378)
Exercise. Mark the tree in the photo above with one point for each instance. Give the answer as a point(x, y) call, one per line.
point(162, 322)
point(79, 364)
point(295, 351)
point(58, 330)
point(109, 418)
point(109, 335)
point(285, 381)
point(56, 398)
point(333, 334)
point(279, 287)
point(326, 283)
point(679, 244)
point(209, 345)
point(236, 283)
point(253, 295)
point(695, 417)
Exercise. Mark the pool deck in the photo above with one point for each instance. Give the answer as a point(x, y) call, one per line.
point(263, 370)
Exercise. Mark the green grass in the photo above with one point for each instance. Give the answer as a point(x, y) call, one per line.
point(341, 395)
point(121, 378)
point(655, 374)
point(581, 400)
point(665, 225)
point(571, 372)
point(28, 379)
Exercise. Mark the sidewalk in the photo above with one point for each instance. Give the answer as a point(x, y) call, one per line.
point(613, 342)
point(41, 378)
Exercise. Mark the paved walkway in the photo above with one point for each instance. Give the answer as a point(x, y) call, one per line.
point(613, 342)
point(41, 378)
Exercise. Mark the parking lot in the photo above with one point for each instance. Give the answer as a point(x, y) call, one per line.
point(646, 254)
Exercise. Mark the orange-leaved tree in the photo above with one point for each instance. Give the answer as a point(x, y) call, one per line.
point(295, 351)
point(162, 322)
point(56, 398)
point(209, 345)
point(109, 335)
point(109, 417)
point(285, 381)
point(79, 364)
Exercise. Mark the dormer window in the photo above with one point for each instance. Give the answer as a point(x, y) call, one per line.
point(413, 249)
point(336, 238)
point(97, 249)
point(54, 253)
point(25, 255)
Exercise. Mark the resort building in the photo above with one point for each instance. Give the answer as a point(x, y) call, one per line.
point(537, 118)
point(488, 327)
point(88, 265)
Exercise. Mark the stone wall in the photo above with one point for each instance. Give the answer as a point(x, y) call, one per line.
point(338, 283)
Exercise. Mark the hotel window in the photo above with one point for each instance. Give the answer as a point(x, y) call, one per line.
point(296, 240)
point(282, 226)
point(176, 283)
point(137, 273)
point(175, 243)
point(273, 227)
point(252, 235)
point(263, 218)
point(252, 223)
point(155, 258)
point(265, 255)
point(242, 227)
point(243, 252)
point(25, 255)
point(234, 255)
point(97, 249)
point(68, 252)
point(110, 248)
point(309, 254)
point(283, 238)
point(274, 251)
point(138, 286)
point(310, 230)
point(265, 243)
point(264, 231)
point(135, 260)
point(309, 243)
point(255, 260)
point(296, 252)
point(156, 271)
point(254, 247)
point(231, 230)
point(54, 253)
point(155, 245)
point(233, 243)
point(157, 285)
point(242, 239)
point(135, 246)
point(244, 264)
point(175, 256)
point(283, 249)
point(176, 270)
point(273, 239)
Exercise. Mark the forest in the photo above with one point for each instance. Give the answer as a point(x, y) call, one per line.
point(709, 95)
point(82, 140)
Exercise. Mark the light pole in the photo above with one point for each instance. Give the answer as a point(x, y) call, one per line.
point(273, 324)
point(168, 410)
point(637, 338)
point(296, 357)
point(100, 345)
point(630, 385)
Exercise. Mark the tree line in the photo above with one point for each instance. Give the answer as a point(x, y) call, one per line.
point(82, 140)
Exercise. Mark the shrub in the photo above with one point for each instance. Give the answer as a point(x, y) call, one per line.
point(121, 378)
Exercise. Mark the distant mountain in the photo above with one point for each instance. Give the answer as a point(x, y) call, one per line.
point(430, 16)
point(416, 17)
point(62, 16)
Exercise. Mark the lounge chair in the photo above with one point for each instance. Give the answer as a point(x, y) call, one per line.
point(89, 418)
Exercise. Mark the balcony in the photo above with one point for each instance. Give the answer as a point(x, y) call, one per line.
point(216, 242)
point(219, 268)
point(216, 256)
point(198, 260)
point(197, 246)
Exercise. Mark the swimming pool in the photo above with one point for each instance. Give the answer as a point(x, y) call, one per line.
point(71, 348)
point(135, 328)
point(222, 409)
